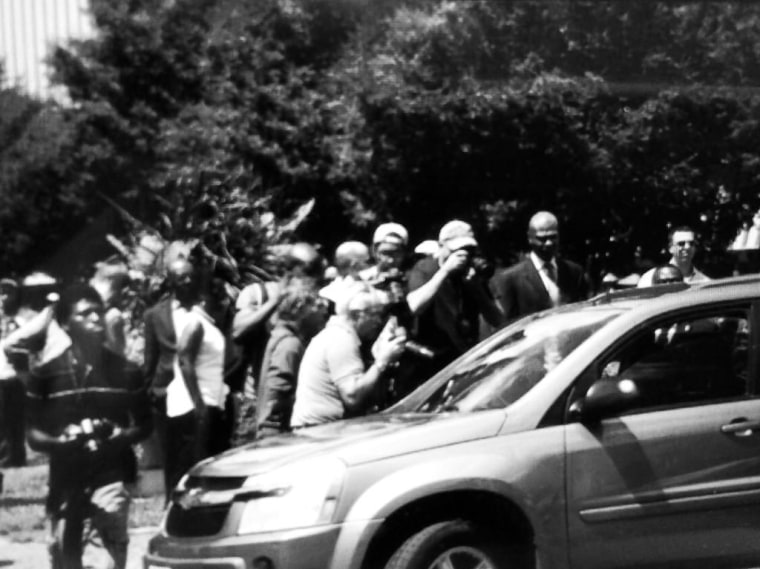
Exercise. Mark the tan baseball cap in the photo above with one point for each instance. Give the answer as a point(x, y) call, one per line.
point(394, 233)
point(457, 234)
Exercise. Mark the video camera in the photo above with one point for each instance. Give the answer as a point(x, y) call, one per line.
point(393, 282)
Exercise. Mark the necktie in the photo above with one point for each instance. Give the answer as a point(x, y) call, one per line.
point(551, 272)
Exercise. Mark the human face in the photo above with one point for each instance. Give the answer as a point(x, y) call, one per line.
point(313, 319)
point(369, 322)
point(667, 275)
point(683, 247)
point(543, 238)
point(389, 256)
point(86, 320)
point(184, 282)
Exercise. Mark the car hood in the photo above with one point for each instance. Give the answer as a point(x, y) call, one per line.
point(354, 441)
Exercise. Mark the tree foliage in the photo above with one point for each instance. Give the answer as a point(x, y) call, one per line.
point(200, 115)
point(35, 208)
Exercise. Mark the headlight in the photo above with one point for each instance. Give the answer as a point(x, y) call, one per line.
point(296, 496)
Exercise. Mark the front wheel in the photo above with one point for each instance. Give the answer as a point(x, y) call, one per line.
point(452, 544)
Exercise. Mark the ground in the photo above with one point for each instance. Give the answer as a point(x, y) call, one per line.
point(22, 519)
point(33, 554)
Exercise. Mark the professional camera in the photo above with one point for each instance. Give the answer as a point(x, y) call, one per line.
point(482, 267)
point(91, 432)
point(478, 265)
point(393, 282)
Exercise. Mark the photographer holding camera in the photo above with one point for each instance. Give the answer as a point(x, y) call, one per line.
point(389, 244)
point(389, 275)
point(86, 406)
point(448, 294)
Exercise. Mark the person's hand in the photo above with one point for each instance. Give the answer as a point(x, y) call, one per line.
point(388, 350)
point(72, 437)
point(116, 436)
point(274, 290)
point(457, 262)
point(388, 332)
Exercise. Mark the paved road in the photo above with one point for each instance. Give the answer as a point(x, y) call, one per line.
point(33, 555)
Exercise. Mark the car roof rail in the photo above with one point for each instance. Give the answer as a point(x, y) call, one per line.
point(636, 293)
point(717, 283)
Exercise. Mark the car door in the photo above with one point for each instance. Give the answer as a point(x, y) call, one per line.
point(674, 482)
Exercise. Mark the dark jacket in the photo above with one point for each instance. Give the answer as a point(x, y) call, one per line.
point(520, 290)
point(278, 377)
point(160, 345)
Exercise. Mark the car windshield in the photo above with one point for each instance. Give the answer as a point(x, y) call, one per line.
point(499, 371)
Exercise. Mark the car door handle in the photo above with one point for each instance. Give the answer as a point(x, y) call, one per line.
point(740, 427)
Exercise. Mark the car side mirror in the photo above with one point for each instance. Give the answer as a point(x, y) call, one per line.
point(605, 398)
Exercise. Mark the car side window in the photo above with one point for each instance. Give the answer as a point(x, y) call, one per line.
point(685, 360)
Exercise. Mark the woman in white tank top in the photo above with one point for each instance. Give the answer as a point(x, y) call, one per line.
point(195, 399)
point(200, 355)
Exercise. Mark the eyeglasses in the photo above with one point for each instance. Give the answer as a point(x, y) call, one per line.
point(374, 312)
point(685, 243)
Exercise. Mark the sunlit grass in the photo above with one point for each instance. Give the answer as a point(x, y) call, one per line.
point(22, 504)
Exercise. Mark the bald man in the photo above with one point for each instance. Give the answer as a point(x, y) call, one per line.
point(543, 280)
point(667, 274)
point(161, 351)
point(334, 380)
point(351, 258)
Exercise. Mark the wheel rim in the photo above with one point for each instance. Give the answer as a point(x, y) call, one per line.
point(463, 557)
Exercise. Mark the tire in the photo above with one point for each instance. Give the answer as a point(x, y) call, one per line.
point(454, 544)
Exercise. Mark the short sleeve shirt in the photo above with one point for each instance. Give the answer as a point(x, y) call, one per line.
point(450, 324)
point(279, 375)
point(332, 358)
point(60, 392)
point(252, 297)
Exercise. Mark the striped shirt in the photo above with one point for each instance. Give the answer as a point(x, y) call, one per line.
point(62, 391)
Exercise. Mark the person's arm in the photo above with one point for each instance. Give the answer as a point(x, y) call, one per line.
point(358, 388)
point(42, 440)
point(115, 330)
point(504, 295)
point(486, 304)
point(141, 417)
point(278, 382)
point(250, 316)
point(150, 356)
point(38, 433)
point(31, 336)
point(188, 346)
point(421, 297)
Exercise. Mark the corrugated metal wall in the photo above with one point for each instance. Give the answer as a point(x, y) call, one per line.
point(27, 30)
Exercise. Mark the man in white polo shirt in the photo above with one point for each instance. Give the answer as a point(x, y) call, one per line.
point(682, 246)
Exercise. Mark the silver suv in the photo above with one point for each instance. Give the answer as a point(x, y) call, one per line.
point(617, 433)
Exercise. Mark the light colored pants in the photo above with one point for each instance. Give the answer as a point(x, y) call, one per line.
point(107, 510)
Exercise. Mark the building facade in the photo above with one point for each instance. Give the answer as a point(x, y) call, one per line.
point(28, 31)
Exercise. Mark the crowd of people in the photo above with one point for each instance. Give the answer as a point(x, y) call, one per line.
point(224, 366)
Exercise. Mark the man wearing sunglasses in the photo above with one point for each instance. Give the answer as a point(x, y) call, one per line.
point(682, 248)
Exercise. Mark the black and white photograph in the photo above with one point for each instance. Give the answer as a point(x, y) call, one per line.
point(380, 284)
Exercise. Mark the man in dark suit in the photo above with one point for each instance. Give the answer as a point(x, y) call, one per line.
point(542, 280)
point(161, 345)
